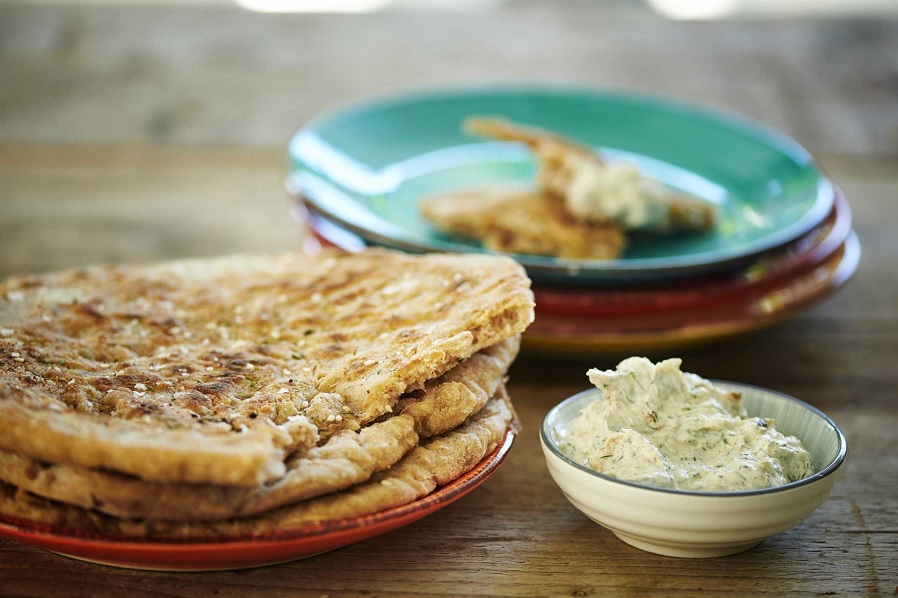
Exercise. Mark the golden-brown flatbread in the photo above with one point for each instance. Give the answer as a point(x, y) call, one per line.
point(347, 458)
point(560, 159)
point(521, 221)
point(216, 371)
point(428, 466)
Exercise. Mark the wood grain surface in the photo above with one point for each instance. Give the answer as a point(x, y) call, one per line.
point(149, 133)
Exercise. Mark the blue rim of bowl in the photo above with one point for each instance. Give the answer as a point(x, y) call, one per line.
point(550, 268)
point(828, 470)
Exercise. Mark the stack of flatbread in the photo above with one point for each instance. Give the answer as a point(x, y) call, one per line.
point(243, 395)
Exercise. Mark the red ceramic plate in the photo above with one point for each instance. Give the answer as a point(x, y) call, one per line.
point(762, 274)
point(672, 330)
point(289, 545)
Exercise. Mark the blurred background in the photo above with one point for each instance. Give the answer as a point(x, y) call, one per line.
point(141, 129)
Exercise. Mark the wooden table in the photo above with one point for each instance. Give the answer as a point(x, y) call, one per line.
point(145, 133)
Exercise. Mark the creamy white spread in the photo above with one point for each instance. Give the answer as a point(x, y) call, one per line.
point(659, 426)
point(616, 192)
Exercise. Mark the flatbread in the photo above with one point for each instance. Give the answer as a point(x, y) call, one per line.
point(522, 221)
point(215, 371)
point(347, 458)
point(428, 466)
point(560, 158)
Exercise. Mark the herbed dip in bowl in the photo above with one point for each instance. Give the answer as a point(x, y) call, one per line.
point(677, 465)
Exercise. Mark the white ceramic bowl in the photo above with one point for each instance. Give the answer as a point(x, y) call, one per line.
point(700, 524)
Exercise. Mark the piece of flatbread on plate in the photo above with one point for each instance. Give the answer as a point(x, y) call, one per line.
point(216, 371)
point(521, 221)
point(562, 162)
point(347, 458)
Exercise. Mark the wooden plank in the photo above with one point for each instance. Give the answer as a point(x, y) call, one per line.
point(208, 76)
point(69, 206)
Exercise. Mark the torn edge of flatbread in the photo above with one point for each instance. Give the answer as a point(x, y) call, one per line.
point(560, 158)
point(523, 222)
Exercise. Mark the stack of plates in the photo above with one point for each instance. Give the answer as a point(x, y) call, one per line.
point(783, 240)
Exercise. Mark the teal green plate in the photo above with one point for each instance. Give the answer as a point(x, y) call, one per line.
point(366, 167)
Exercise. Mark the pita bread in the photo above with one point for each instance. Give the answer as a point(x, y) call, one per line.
point(347, 458)
point(216, 371)
point(428, 466)
point(519, 221)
